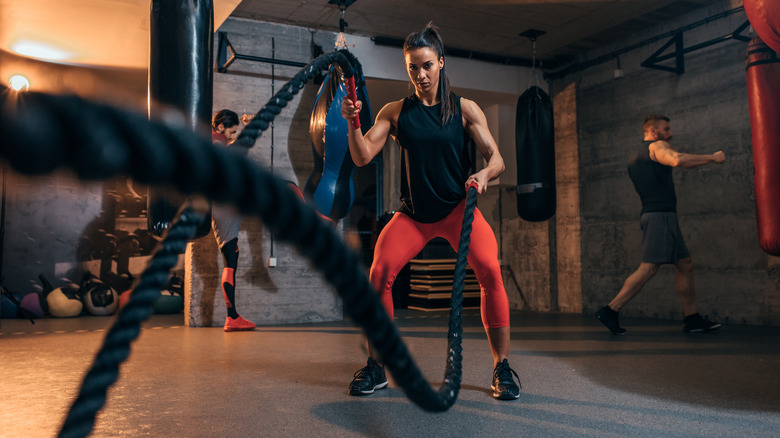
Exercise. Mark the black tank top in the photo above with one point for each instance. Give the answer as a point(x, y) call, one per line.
point(652, 181)
point(434, 161)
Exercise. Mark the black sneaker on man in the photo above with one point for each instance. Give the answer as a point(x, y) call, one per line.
point(368, 379)
point(504, 386)
point(609, 318)
point(695, 324)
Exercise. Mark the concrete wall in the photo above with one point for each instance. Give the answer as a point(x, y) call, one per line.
point(735, 280)
point(568, 230)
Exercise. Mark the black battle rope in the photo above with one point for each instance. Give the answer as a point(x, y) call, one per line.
point(42, 133)
point(453, 371)
point(126, 328)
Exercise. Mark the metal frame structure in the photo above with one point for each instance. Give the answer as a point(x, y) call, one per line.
point(679, 50)
point(227, 55)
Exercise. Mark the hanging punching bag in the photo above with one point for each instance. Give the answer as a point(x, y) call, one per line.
point(180, 77)
point(535, 147)
point(763, 85)
point(764, 17)
point(330, 184)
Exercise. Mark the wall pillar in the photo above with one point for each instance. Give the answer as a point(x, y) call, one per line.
point(567, 217)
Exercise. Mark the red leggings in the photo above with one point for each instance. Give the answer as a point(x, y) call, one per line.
point(403, 238)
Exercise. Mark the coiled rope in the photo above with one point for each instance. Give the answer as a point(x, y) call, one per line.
point(43, 132)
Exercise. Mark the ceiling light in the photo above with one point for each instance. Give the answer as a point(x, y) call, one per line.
point(35, 49)
point(19, 83)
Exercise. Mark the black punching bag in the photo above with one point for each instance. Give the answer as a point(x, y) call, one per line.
point(535, 144)
point(180, 77)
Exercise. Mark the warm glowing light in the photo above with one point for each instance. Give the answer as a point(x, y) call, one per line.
point(38, 50)
point(19, 83)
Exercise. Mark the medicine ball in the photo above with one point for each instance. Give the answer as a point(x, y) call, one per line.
point(124, 298)
point(168, 302)
point(63, 302)
point(99, 299)
point(34, 304)
point(9, 307)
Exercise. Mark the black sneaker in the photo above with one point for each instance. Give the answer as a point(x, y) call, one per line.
point(695, 324)
point(504, 387)
point(368, 378)
point(609, 318)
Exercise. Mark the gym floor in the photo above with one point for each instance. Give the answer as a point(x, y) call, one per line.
point(578, 380)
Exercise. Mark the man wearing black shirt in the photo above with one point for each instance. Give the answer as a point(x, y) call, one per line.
point(650, 169)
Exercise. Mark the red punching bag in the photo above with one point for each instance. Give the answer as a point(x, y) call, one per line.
point(764, 17)
point(763, 86)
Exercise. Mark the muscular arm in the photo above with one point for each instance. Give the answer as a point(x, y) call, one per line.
point(476, 126)
point(364, 148)
point(662, 152)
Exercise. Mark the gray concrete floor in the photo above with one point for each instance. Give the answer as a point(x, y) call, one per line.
point(578, 380)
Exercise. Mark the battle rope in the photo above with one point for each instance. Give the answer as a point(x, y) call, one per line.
point(41, 134)
point(453, 371)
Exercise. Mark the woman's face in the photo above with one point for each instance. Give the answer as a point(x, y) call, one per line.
point(423, 66)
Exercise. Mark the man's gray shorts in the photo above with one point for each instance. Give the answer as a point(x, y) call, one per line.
point(225, 222)
point(662, 240)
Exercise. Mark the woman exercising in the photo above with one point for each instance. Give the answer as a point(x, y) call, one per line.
point(226, 222)
point(431, 128)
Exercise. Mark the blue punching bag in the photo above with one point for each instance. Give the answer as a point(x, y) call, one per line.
point(535, 144)
point(330, 184)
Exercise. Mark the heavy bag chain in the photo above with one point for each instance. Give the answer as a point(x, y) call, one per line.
point(534, 73)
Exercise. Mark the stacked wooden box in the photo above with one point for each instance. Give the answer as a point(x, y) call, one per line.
point(430, 284)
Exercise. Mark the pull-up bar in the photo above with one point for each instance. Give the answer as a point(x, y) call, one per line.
point(226, 55)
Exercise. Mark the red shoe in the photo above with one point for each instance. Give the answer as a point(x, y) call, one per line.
point(239, 324)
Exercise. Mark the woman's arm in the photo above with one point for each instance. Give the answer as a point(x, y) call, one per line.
point(476, 125)
point(364, 148)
